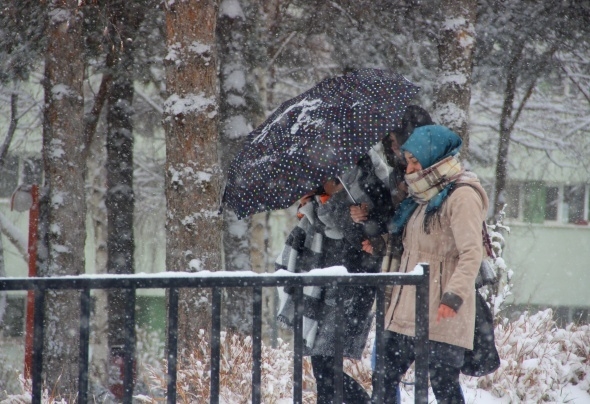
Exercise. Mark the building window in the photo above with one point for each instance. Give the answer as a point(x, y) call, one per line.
point(512, 201)
point(573, 204)
point(551, 203)
point(537, 202)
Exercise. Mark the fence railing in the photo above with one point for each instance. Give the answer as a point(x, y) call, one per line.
point(173, 281)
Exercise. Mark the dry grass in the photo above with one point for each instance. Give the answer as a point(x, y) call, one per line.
point(235, 375)
point(193, 384)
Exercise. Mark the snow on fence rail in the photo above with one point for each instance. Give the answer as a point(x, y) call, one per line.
point(336, 276)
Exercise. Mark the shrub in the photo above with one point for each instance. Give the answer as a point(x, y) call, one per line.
point(538, 359)
point(235, 374)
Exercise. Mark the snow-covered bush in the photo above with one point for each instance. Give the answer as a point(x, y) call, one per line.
point(25, 397)
point(538, 359)
point(235, 373)
point(538, 362)
point(9, 372)
point(497, 294)
point(150, 349)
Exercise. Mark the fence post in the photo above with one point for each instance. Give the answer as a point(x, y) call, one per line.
point(378, 388)
point(298, 346)
point(129, 347)
point(215, 344)
point(422, 346)
point(338, 348)
point(256, 344)
point(38, 336)
point(84, 345)
point(172, 344)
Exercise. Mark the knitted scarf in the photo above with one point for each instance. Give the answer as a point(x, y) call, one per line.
point(301, 253)
point(304, 251)
point(430, 186)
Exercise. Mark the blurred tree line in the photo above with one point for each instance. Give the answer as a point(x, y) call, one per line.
point(216, 69)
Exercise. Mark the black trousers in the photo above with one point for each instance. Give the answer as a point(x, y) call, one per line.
point(323, 370)
point(445, 363)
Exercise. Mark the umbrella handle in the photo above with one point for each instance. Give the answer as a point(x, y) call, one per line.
point(347, 191)
point(350, 196)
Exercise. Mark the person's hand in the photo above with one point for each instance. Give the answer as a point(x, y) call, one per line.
point(359, 213)
point(367, 247)
point(445, 311)
point(306, 198)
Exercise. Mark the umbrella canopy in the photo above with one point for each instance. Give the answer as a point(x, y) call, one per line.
point(313, 137)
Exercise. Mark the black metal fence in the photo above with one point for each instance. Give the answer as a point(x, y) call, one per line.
point(216, 282)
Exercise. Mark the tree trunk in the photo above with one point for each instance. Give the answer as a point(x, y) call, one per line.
point(261, 257)
point(98, 215)
point(236, 118)
point(124, 21)
point(193, 175)
point(456, 45)
point(63, 150)
point(2, 274)
point(505, 131)
point(99, 365)
point(510, 116)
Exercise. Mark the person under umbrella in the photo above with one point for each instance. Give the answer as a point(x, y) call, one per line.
point(379, 175)
point(384, 166)
point(317, 242)
point(313, 137)
point(441, 225)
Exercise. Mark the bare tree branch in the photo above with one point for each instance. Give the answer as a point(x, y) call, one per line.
point(91, 119)
point(523, 102)
point(548, 55)
point(278, 52)
point(583, 90)
point(155, 106)
point(16, 237)
point(11, 127)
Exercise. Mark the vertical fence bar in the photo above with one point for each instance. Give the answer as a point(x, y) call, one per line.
point(215, 344)
point(38, 331)
point(129, 346)
point(172, 344)
point(274, 336)
point(338, 347)
point(298, 347)
point(84, 344)
point(378, 387)
point(256, 344)
point(422, 345)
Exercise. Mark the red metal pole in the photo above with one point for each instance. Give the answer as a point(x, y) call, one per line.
point(33, 226)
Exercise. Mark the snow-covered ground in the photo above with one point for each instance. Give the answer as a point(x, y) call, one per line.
point(570, 394)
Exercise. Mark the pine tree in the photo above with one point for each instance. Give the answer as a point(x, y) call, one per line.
point(193, 175)
point(237, 112)
point(64, 167)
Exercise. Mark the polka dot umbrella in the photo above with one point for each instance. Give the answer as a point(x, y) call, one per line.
point(313, 137)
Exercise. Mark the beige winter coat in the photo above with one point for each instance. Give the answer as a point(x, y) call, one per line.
point(454, 250)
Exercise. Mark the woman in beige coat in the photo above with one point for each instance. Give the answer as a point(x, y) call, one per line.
point(441, 223)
